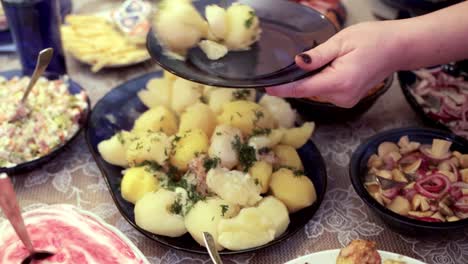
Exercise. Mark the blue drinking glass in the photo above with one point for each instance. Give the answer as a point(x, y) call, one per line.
point(35, 25)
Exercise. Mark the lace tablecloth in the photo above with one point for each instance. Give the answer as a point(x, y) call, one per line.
point(74, 178)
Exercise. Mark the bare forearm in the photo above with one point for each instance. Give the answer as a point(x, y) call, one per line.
point(435, 38)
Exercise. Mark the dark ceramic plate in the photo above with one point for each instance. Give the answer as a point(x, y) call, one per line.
point(358, 169)
point(408, 79)
point(287, 30)
point(328, 113)
point(74, 88)
point(119, 108)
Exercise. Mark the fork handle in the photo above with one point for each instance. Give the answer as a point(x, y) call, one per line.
point(11, 209)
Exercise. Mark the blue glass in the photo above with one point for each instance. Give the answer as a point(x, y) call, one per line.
point(35, 25)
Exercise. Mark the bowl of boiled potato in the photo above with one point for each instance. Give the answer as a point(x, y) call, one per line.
point(181, 158)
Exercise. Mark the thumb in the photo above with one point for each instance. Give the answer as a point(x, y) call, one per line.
point(318, 56)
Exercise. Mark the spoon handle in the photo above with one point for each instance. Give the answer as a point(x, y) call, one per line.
point(45, 56)
point(10, 208)
point(210, 246)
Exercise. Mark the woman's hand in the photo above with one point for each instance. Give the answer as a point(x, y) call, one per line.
point(360, 57)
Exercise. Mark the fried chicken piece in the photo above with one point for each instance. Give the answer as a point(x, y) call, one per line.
point(359, 252)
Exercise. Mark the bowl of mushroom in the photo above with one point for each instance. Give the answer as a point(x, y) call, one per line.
point(415, 179)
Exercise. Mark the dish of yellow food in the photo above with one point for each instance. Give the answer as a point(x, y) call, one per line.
point(212, 159)
point(356, 252)
point(179, 27)
point(94, 40)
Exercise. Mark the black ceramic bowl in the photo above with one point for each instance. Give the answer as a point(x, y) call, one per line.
point(327, 112)
point(408, 79)
point(118, 110)
point(358, 169)
point(74, 88)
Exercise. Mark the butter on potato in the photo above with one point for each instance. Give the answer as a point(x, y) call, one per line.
point(187, 146)
point(149, 146)
point(198, 116)
point(245, 115)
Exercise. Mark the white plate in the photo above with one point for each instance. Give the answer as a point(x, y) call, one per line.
point(329, 257)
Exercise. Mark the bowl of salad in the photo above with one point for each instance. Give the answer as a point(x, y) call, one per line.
point(35, 132)
point(414, 179)
point(439, 95)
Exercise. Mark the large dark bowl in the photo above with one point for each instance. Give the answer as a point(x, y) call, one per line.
point(358, 170)
point(327, 112)
point(74, 88)
point(118, 110)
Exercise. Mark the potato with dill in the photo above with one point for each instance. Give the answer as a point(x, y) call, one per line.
point(188, 146)
point(158, 119)
point(245, 115)
point(113, 149)
point(205, 217)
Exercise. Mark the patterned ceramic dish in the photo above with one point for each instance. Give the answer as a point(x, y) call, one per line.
point(118, 110)
point(330, 256)
point(86, 233)
point(327, 112)
point(74, 88)
point(358, 170)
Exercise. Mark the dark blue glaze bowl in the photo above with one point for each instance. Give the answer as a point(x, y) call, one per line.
point(118, 110)
point(329, 113)
point(358, 170)
point(74, 88)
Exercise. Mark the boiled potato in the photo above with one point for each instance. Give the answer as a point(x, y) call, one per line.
point(279, 109)
point(288, 157)
point(298, 136)
point(186, 93)
point(266, 141)
point(277, 212)
point(233, 186)
point(213, 50)
point(136, 182)
point(217, 21)
point(244, 27)
point(152, 213)
point(158, 119)
point(261, 172)
point(245, 115)
point(205, 216)
point(188, 146)
point(113, 150)
point(198, 116)
point(158, 92)
point(221, 145)
point(179, 26)
point(149, 146)
point(250, 228)
point(218, 97)
point(295, 191)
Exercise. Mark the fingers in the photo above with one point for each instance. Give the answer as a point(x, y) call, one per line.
point(319, 56)
point(324, 82)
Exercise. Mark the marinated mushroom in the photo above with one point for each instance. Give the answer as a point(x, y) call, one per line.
point(424, 182)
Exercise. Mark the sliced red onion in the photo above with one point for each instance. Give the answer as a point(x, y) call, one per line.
point(462, 204)
point(455, 192)
point(456, 172)
point(409, 193)
point(391, 193)
point(460, 184)
point(426, 150)
point(427, 185)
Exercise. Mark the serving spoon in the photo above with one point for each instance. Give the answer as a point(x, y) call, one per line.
point(211, 247)
point(43, 60)
point(10, 208)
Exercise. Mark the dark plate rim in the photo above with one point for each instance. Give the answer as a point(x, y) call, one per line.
point(153, 237)
point(405, 88)
point(36, 163)
point(251, 83)
point(387, 84)
point(359, 188)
